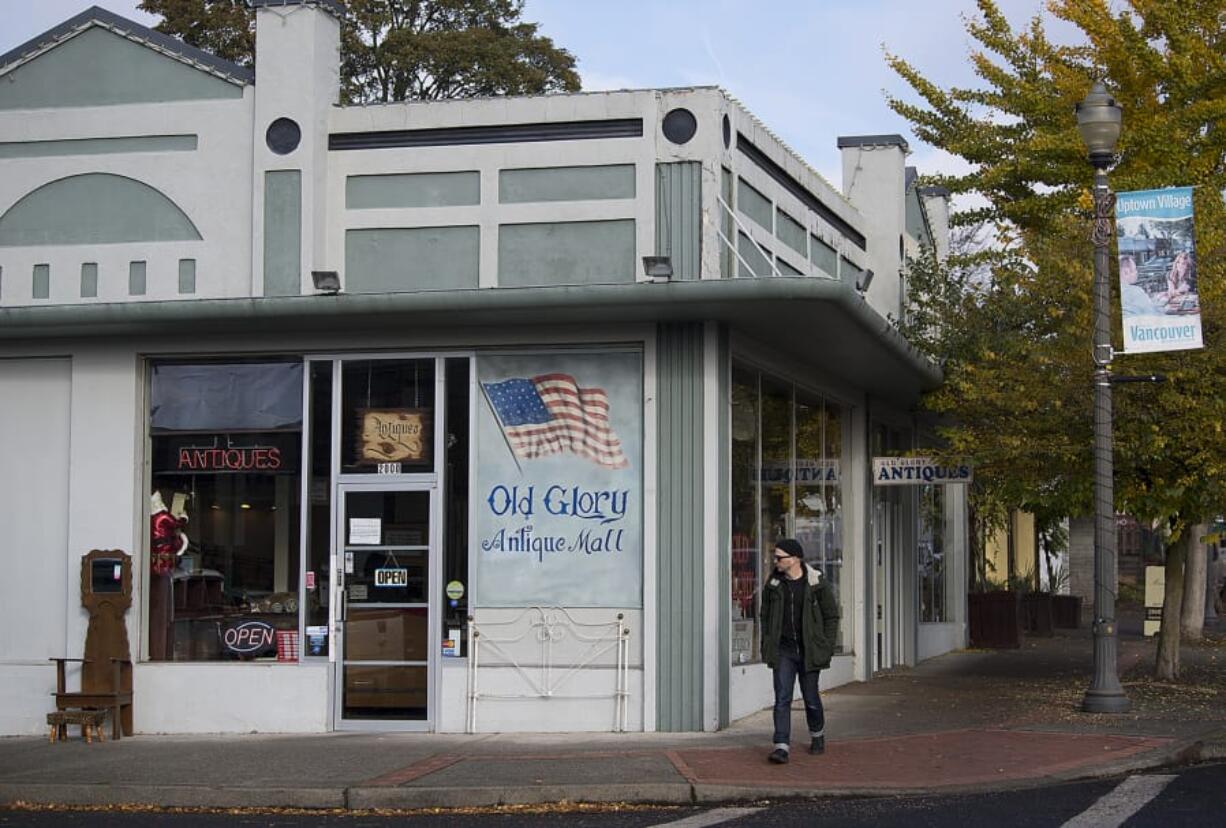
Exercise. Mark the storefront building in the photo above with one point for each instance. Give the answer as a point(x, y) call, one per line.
point(457, 416)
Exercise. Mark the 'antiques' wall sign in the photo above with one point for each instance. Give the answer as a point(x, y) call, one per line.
point(915, 471)
point(393, 435)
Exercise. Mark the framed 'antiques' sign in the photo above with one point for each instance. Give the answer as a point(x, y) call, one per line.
point(393, 435)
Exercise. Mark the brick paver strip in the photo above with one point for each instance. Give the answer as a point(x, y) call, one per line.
point(426, 766)
point(928, 760)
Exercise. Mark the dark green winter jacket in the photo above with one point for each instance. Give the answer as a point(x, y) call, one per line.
point(819, 618)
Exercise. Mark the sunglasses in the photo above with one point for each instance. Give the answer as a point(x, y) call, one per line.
point(783, 557)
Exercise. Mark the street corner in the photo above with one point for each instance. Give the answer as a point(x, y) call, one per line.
point(943, 760)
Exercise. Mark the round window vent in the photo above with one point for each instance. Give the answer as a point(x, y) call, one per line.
point(283, 136)
point(680, 125)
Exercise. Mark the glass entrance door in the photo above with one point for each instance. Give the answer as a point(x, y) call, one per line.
point(385, 573)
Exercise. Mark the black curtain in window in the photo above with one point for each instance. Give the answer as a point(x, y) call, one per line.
point(260, 396)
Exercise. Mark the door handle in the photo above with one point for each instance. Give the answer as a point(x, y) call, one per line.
point(344, 614)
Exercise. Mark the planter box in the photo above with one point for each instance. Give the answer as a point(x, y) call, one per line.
point(993, 619)
point(1066, 611)
point(1037, 613)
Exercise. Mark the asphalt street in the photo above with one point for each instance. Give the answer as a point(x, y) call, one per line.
point(1194, 796)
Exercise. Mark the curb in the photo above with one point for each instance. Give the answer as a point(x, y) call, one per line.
point(667, 793)
point(171, 796)
point(409, 797)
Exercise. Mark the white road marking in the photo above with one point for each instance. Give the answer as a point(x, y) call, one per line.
point(1114, 808)
point(714, 817)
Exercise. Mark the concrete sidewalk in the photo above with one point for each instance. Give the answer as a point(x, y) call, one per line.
point(969, 720)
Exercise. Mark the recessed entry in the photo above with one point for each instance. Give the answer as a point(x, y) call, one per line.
point(680, 125)
point(283, 136)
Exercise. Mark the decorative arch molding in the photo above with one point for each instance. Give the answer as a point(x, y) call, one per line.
point(94, 208)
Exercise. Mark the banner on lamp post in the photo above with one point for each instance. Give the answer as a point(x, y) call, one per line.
point(1159, 299)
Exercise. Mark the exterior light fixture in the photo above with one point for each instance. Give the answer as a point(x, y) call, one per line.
point(864, 281)
point(658, 268)
point(1098, 120)
point(326, 281)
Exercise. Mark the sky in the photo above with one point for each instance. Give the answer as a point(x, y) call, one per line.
point(811, 70)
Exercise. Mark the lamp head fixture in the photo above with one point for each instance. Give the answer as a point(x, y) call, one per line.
point(658, 268)
point(1098, 120)
point(326, 281)
point(864, 281)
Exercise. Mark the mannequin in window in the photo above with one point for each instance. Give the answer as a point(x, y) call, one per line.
point(167, 542)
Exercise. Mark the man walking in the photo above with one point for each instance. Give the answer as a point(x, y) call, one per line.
point(800, 624)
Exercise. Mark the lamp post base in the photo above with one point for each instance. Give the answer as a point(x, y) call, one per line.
point(1106, 701)
point(1105, 695)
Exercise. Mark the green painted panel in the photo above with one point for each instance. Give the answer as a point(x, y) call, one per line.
point(94, 208)
point(724, 394)
point(791, 233)
point(679, 217)
point(187, 276)
point(680, 542)
point(823, 255)
point(759, 265)
point(42, 281)
point(566, 253)
point(100, 68)
point(445, 189)
point(283, 233)
point(400, 259)
point(97, 146)
point(136, 278)
point(786, 269)
point(566, 183)
point(850, 273)
point(89, 280)
point(753, 204)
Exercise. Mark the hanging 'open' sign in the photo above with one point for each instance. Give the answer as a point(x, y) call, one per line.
point(391, 577)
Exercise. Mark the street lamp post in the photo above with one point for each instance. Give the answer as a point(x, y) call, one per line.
point(1098, 121)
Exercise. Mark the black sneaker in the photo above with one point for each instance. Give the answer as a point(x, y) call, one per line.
point(818, 745)
point(779, 756)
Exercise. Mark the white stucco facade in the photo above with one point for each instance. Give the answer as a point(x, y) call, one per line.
point(461, 232)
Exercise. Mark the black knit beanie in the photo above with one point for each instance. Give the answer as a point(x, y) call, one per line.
point(792, 547)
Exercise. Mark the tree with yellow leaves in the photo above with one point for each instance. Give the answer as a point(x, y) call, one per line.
point(1016, 341)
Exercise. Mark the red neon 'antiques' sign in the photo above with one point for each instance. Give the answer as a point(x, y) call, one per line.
point(248, 458)
point(263, 453)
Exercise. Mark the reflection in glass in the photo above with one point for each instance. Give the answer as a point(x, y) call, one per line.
point(930, 553)
point(385, 692)
point(386, 634)
point(319, 546)
point(807, 472)
point(387, 415)
point(776, 466)
point(786, 481)
point(386, 540)
point(745, 556)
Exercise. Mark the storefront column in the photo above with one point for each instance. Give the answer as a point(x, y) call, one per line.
point(680, 527)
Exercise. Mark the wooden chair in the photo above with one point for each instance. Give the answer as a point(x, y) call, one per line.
point(106, 669)
point(95, 696)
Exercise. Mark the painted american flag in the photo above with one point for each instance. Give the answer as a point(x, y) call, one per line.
point(551, 414)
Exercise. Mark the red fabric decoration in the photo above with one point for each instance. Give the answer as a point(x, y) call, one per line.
point(164, 542)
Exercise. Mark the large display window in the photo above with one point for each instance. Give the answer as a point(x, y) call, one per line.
point(786, 459)
point(225, 461)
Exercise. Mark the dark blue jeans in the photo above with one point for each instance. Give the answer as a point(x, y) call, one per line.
point(787, 669)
